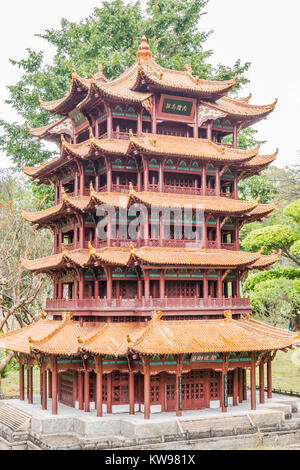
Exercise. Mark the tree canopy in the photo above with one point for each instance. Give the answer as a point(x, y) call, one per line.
point(111, 36)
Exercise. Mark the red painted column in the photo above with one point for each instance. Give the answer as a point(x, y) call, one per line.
point(205, 284)
point(178, 390)
point(245, 384)
point(162, 284)
point(218, 233)
point(108, 283)
point(109, 123)
point(21, 381)
point(109, 393)
point(235, 137)
point(146, 175)
point(218, 186)
point(261, 383)
point(49, 384)
point(204, 180)
point(147, 388)
point(86, 391)
point(131, 392)
point(75, 387)
point(235, 386)
point(222, 389)
point(44, 398)
point(140, 289)
point(54, 386)
point(146, 284)
point(269, 378)
point(209, 131)
point(241, 379)
point(161, 178)
point(99, 385)
point(80, 390)
point(235, 186)
point(154, 130)
point(30, 385)
point(253, 382)
point(219, 294)
point(162, 386)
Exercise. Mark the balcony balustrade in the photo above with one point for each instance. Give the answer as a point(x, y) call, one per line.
point(148, 304)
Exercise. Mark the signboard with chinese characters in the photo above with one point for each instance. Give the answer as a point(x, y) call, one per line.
point(78, 119)
point(177, 108)
point(204, 357)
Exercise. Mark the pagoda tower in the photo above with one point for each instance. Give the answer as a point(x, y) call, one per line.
point(146, 257)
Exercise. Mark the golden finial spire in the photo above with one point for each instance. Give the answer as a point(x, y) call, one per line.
point(131, 248)
point(91, 187)
point(91, 249)
point(144, 49)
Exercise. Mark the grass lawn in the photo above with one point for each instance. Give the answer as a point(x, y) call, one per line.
point(10, 385)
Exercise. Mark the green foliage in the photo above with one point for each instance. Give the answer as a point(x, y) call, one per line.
point(293, 211)
point(295, 248)
point(276, 300)
point(258, 185)
point(277, 273)
point(111, 36)
point(272, 237)
point(12, 365)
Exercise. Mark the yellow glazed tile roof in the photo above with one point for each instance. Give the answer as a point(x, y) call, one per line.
point(67, 337)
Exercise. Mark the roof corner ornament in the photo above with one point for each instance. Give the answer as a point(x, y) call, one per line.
point(258, 198)
point(246, 316)
point(92, 190)
point(42, 315)
point(131, 189)
point(66, 316)
point(100, 69)
point(131, 136)
point(64, 249)
point(156, 316)
point(79, 340)
point(91, 249)
point(261, 250)
point(131, 248)
point(144, 49)
point(228, 315)
point(74, 73)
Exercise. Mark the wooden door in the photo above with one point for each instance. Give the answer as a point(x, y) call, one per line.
point(66, 388)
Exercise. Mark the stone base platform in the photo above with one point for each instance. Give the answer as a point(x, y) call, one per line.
point(28, 427)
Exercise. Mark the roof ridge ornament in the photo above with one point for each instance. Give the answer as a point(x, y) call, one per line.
point(92, 250)
point(144, 49)
point(156, 316)
point(228, 315)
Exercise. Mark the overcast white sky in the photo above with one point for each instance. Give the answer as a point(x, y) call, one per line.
point(264, 32)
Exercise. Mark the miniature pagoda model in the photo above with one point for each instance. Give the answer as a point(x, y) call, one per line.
point(154, 322)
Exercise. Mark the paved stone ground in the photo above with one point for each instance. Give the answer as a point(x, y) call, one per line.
point(67, 411)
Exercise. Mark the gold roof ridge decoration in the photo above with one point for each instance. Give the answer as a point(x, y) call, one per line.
point(144, 49)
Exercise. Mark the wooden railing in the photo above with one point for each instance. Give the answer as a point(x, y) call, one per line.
point(135, 303)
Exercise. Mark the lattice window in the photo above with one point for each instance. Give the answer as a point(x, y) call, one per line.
point(154, 391)
point(170, 392)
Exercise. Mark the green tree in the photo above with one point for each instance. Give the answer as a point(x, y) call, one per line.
point(284, 236)
point(258, 185)
point(255, 278)
point(110, 35)
point(277, 301)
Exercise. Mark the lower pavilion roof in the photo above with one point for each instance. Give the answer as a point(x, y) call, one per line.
point(67, 337)
point(151, 256)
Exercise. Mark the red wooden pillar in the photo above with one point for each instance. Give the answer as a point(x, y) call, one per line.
point(204, 180)
point(261, 383)
point(108, 283)
point(218, 185)
point(140, 288)
point(245, 384)
point(161, 178)
point(147, 389)
point(223, 385)
point(253, 382)
point(140, 123)
point(154, 115)
point(218, 233)
point(80, 390)
point(178, 386)
point(109, 393)
point(235, 137)
point(162, 284)
point(49, 384)
point(269, 378)
point(235, 386)
point(131, 392)
point(30, 384)
point(220, 292)
point(241, 380)
point(86, 391)
point(209, 131)
point(146, 284)
point(235, 186)
point(109, 123)
point(75, 387)
point(109, 176)
point(146, 175)
point(162, 386)
point(99, 385)
point(44, 397)
point(205, 284)
point(21, 381)
point(54, 386)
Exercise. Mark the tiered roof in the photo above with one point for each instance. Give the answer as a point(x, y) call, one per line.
point(210, 204)
point(67, 337)
point(151, 256)
point(247, 161)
